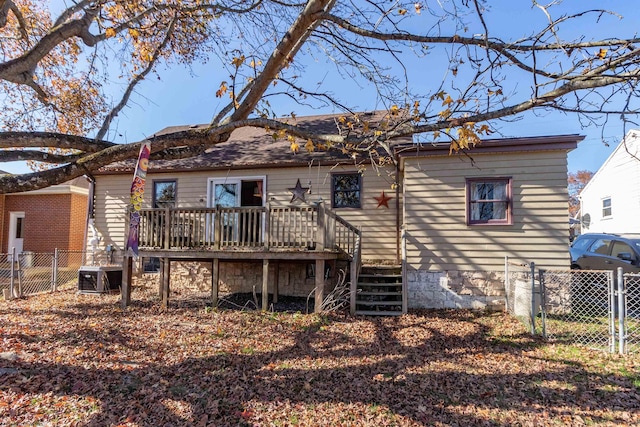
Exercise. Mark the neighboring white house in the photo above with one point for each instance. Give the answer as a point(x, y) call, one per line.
point(610, 202)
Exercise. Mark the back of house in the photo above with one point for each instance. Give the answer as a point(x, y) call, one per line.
point(446, 221)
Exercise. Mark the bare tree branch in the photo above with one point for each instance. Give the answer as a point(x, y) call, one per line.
point(137, 79)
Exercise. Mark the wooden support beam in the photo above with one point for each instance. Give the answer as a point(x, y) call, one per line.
point(275, 282)
point(353, 285)
point(265, 284)
point(319, 295)
point(215, 279)
point(165, 272)
point(125, 287)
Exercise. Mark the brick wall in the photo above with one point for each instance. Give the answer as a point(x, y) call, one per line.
point(51, 221)
point(77, 221)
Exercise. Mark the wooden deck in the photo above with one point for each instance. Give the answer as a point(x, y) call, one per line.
point(311, 233)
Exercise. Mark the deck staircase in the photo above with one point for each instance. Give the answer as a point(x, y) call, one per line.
point(380, 291)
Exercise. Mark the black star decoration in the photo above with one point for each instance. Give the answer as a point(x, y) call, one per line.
point(298, 192)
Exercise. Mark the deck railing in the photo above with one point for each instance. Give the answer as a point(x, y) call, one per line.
point(238, 228)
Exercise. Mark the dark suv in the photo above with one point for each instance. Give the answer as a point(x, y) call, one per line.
point(599, 251)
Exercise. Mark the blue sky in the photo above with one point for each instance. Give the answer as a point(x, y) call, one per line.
point(188, 96)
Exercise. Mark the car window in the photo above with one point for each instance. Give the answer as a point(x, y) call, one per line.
point(581, 243)
point(621, 247)
point(600, 246)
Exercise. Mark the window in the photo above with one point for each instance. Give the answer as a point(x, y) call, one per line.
point(620, 248)
point(489, 201)
point(346, 190)
point(151, 265)
point(582, 243)
point(606, 207)
point(19, 227)
point(600, 246)
point(164, 194)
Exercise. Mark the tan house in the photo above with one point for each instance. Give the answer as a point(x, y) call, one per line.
point(428, 230)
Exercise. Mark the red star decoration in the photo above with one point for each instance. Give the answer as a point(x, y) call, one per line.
point(383, 200)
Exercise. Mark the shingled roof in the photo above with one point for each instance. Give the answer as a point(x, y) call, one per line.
point(251, 147)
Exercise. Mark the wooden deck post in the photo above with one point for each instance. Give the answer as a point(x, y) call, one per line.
point(265, 284)
point(217, 229)
point(125, 288)
point(165, 272)
point(167, 228)
point(267, 225)
point(321, 233)
point(319, 296)
point(275, 282)
point(215, 278)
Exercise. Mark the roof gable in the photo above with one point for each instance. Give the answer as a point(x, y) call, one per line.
point(251, 147)
point(629, 142)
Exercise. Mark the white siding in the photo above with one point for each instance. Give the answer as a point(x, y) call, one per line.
point(438, 238)
point(618, 179)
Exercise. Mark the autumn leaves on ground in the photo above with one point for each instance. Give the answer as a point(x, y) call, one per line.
point(68, 359)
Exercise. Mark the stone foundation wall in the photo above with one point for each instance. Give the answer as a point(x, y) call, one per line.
point(455, 289)
point(241, 277)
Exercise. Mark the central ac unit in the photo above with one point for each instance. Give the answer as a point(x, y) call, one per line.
point(99, 279)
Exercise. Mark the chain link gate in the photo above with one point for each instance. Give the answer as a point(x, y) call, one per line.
point(578, 306)
point(597, 309)
point(632, 313)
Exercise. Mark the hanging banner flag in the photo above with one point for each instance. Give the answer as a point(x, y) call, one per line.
point(137, 192)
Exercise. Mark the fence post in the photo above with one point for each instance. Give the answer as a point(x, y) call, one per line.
point(622, 333)
point(506, 283)
point(54, 271)
point(543, 302)
point(611, 295)
point(533, 298)
point(12, 280)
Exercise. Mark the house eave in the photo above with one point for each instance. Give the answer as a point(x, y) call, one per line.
point(224, 167)
point(527, 144)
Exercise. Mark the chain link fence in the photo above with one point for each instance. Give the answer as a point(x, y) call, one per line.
point(578, 307)
point(30, 273)
point(632, 318)
point(584, 307)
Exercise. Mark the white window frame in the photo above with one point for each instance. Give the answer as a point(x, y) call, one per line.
point(211, 182)
point(605, 208)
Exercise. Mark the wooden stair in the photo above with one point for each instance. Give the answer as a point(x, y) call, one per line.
point(379, 291)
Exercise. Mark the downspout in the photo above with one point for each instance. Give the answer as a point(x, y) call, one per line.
point(399, 179)
point(89, 218)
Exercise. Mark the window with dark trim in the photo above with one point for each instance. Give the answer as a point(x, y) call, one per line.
point(151, 265)
point(606, 207)
point(346, 190)
point(164, 194)
point(489, 201)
